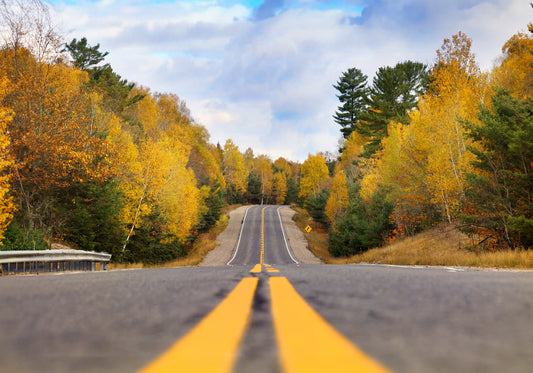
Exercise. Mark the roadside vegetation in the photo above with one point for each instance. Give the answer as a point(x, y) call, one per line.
point(201, 246)
point(439, 246)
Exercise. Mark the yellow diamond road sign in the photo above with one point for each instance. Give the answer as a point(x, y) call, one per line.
point(308, 229)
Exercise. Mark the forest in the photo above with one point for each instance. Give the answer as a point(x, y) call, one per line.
point(95, 162)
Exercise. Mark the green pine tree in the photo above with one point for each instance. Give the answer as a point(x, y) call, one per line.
point(393, 94)
point(352, 93)
point(500, 198)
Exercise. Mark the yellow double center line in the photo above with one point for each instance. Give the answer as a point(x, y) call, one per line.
point(307, 343)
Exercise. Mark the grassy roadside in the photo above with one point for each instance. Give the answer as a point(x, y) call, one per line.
point(436, 247)
point(203, 244)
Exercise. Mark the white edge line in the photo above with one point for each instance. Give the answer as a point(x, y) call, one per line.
point(239, 240)
point(285, 238)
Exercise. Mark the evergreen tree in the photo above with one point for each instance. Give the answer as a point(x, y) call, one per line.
point(84, 56)
point(90, 215)
point(393, 94)
point(352, 92)
point(253, 191)
point(316, 206)
point(115, 89)
point(500, 200)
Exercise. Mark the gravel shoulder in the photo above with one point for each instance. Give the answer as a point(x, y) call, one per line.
point(227, 240)
point(296, 238)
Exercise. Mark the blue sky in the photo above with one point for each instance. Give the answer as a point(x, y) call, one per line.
point(261, 72)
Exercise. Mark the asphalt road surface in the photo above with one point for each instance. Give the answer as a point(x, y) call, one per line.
point(405, 319)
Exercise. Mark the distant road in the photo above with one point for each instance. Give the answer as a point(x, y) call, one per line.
point(399, 318)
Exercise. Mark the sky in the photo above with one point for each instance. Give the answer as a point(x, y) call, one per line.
point(262, 72)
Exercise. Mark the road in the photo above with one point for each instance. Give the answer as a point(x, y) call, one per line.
point(397, 318)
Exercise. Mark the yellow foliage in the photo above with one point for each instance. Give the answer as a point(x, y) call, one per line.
point(7, 207)
point(280, 188)
point(515, 73)
point(234, 167)
point(353, 147)
point(266, 174)
point(314, 176)
point(338, 198)
point(283, 166)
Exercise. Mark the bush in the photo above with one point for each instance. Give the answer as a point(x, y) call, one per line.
point(365, 225)
point(150, 244)
point(17, 238)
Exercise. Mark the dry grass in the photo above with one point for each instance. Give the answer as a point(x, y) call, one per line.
point(203, 244)
point(443, 246)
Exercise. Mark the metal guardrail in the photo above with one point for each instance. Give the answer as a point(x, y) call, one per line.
point(40, 261)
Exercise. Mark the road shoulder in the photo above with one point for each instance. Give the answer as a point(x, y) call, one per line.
point(296, 238)
point(226, 240)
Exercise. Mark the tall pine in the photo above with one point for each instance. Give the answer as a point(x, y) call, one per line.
point(393, 94)
point(352, 93)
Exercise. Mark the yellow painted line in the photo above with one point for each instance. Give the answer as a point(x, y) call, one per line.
point(306, 341)
point(211, 346)
point(256, 269)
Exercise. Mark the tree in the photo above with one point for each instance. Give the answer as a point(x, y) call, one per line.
point(279, 191)
point(515, 73)
point(7, 206)
point(266, 174)
point(26, 24)
point(364, 225)
point(102, 78)
point(83, 55)
point(316, 206)
point(235, 172)
point(314, 176)
point(500, 198)
point(394, 93)
point(253, 189)
point(338, 198)
point(89, 215)
point(352, 94)
point(53, 138)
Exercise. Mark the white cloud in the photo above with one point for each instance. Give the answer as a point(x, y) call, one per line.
point(267, 83)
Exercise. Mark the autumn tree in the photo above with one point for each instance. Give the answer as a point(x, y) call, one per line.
point(54, 142)
point(279, 189)
point(156, 183)
point(338, 198)
point(7, 206)
point(266, 175)
point(235, 172)
point(515, 73)
point(350, 160)
point(314, 176)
